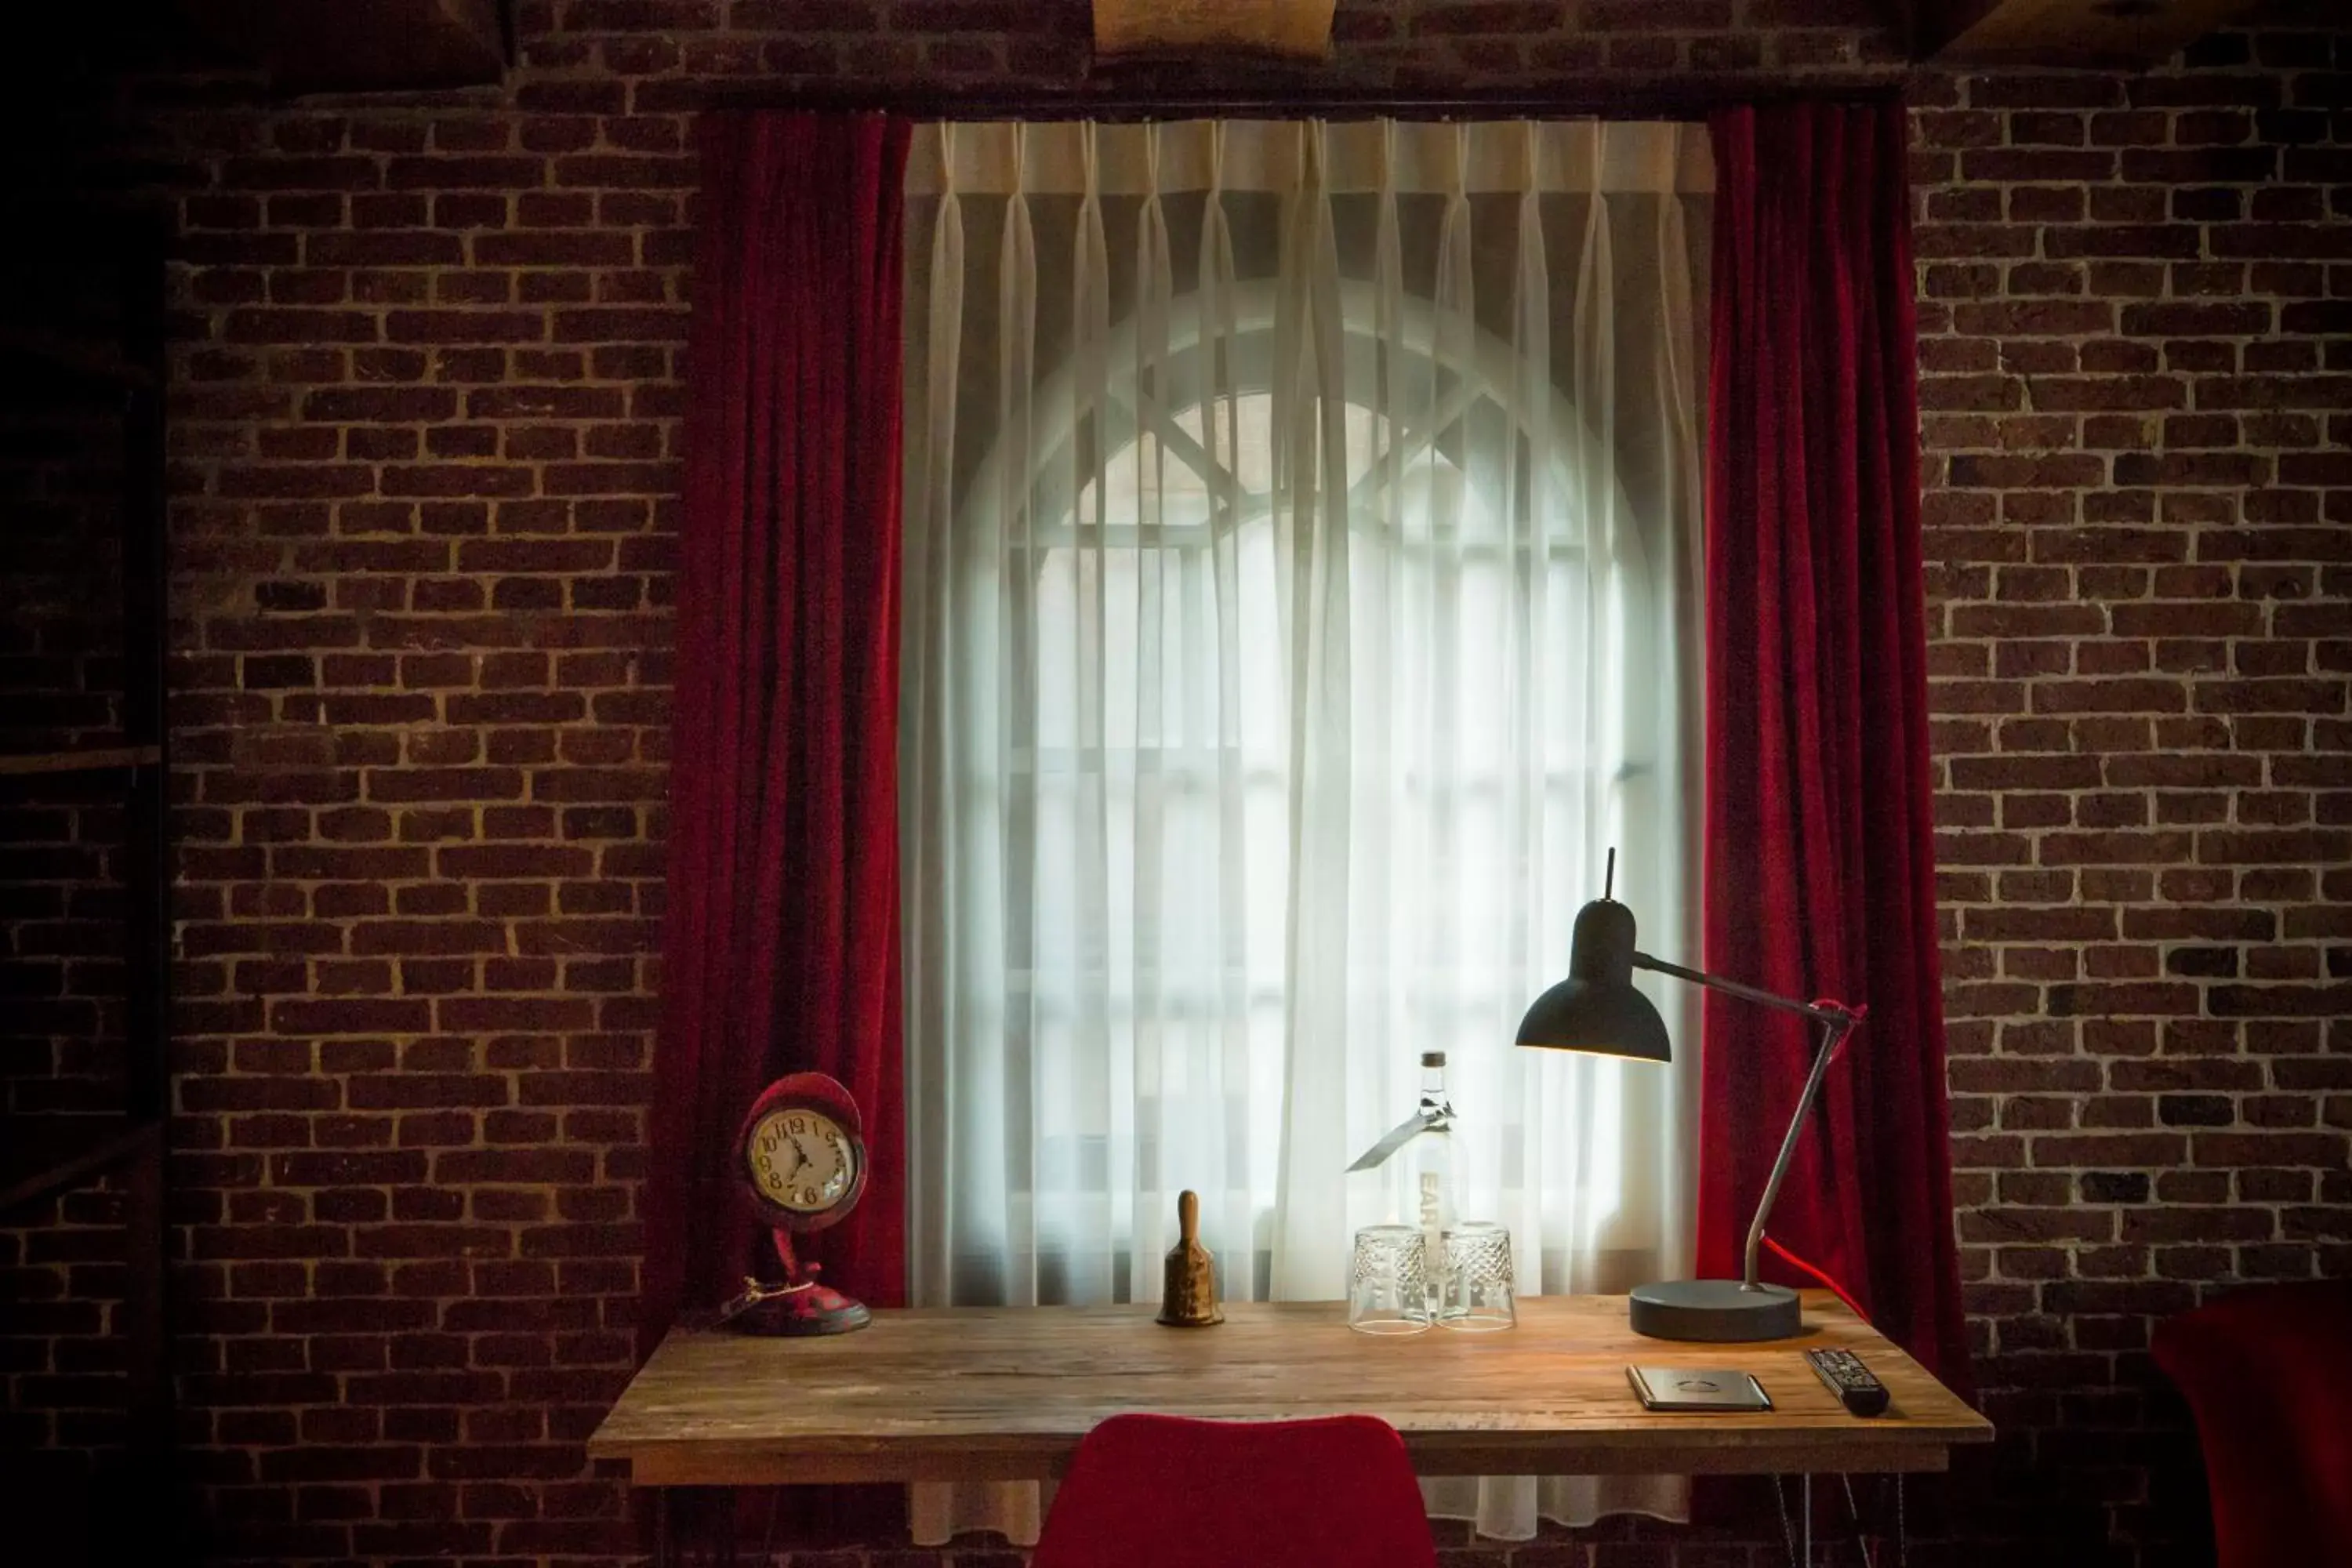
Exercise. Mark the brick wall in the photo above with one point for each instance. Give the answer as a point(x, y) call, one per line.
point(2137, 357)
point(426, 366)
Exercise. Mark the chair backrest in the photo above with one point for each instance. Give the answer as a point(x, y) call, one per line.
point(1166, 1491)
point(2268, 1376)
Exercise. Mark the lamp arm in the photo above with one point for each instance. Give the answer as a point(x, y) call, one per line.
point(1836, 1023)
point(1814, 1010)
point(1833, 1029)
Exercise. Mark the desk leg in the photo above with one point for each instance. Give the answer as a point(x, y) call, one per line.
point(1805, 1515)
point(665, 1554)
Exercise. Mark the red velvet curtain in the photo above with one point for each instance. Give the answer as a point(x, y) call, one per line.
point(1820, 854)
point(781, 952)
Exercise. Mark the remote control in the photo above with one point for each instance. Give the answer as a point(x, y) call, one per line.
point(1857, 1389)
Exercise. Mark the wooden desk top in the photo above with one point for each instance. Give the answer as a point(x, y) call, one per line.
point(1005, 1393)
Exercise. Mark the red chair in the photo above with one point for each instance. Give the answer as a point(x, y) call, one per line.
point(1165, 1491)
point(2268, 1373)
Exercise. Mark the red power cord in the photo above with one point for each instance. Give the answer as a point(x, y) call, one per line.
point(1839, 1291)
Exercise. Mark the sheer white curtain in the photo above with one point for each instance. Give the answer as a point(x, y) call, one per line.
point(1301, 599)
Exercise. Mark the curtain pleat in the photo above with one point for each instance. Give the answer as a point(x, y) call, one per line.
point(781, 951)
point(1302, 528)
point(1820, 874)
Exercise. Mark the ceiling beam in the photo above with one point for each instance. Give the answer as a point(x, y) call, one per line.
point(1294, 29)
point(2111, 33)
point(361, 45)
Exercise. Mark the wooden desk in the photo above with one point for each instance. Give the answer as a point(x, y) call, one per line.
point(1006, 1393)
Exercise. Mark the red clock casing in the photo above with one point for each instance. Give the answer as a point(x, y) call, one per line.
point(800, 1305)
point(827, 1096)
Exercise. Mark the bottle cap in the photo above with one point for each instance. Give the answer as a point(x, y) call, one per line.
point(1432, 1059)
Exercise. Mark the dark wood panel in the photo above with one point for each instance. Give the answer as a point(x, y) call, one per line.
point(2064, 32)
point(376, 46)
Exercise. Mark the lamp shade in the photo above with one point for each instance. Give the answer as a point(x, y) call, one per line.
point(1596, 1008)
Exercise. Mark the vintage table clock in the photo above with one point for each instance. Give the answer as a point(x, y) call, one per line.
point(801, 1158)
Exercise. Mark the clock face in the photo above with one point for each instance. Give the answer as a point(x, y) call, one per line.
point(801, 1160)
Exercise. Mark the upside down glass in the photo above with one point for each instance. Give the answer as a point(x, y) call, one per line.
point(1388, 1281)
point(1475, 1287)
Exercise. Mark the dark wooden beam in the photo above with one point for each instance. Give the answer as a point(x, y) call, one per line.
point(361, 45)
point(1291, 30)
point(2122, 34)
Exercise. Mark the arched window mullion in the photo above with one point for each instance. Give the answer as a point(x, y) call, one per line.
point(1413, 441)
point(1149, 413)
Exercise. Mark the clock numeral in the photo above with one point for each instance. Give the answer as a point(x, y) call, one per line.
point(803, 1159)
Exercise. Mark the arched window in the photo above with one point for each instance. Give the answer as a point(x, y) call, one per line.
point(1299, 606)
point(1285, 652)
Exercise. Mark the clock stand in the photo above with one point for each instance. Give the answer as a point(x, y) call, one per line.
point(800, 1305)
point(818, 1108)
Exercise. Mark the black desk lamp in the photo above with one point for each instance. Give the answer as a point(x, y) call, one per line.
point(1597, 1009)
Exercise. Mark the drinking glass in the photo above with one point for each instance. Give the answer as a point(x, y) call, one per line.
point(1476, 1292)
point(1388, 1281)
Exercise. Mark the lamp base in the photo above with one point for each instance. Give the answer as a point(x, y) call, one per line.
point(1716, 1312)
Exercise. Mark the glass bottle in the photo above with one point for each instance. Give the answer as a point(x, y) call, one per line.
point(1431, 1197)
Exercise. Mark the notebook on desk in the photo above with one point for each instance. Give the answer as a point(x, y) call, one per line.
point(1696, 1389)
